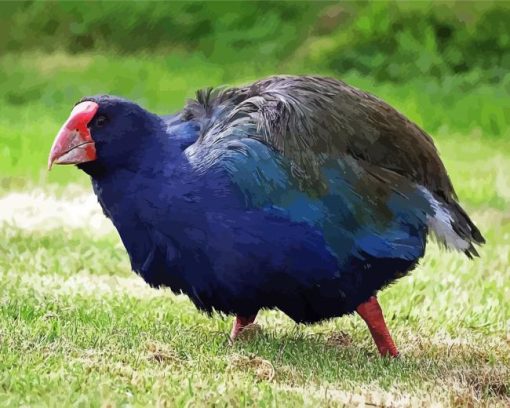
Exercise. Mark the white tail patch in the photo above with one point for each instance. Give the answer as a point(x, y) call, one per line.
point(441, 224)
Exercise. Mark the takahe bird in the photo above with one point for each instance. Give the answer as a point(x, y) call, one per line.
point(297, 193)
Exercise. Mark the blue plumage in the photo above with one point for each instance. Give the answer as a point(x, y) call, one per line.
point(288, 194)
point(236, 233)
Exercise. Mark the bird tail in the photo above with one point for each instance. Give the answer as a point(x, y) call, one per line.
point(465, 229)
point(453, 228)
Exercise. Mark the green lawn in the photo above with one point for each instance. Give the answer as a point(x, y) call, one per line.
point(77, 327)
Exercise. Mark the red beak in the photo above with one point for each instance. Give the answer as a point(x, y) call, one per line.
point(74, 143)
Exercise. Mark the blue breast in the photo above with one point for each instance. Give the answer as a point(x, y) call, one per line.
point(244, 235)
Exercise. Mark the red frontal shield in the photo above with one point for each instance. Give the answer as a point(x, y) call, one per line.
point(74, 143)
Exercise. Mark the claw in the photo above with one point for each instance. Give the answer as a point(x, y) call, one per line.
point(240, 324)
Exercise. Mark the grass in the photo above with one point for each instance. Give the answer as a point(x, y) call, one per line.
point(78, 328)
point(73, 318)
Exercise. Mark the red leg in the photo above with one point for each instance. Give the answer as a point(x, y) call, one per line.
point(240, 323)
point(372, 314)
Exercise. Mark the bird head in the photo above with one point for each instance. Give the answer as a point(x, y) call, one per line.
point(104, 131)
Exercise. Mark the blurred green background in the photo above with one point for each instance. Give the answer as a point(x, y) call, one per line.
point(78, 328)
point(445, 65)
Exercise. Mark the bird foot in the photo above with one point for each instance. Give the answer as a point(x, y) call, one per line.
point(371, 313)
point(244, 327)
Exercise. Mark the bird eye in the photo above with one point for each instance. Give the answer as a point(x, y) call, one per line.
point(100, 121)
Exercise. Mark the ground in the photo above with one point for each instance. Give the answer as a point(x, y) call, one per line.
point(78, 327)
